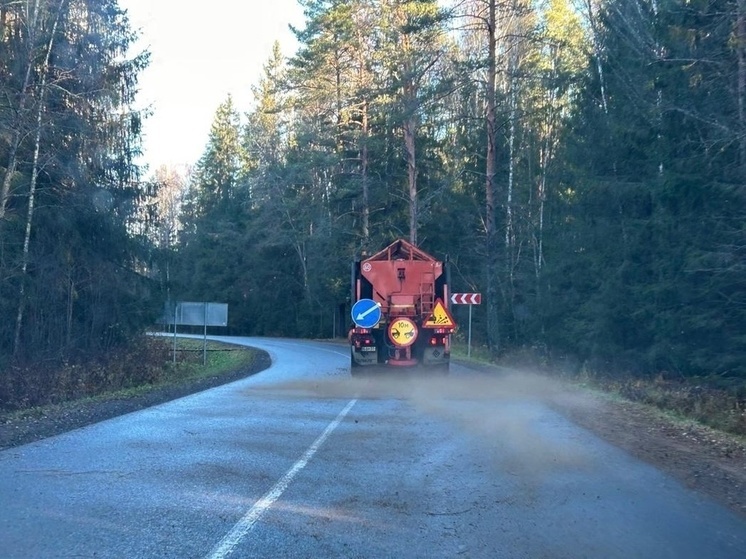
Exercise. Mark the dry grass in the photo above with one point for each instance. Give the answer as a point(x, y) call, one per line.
point(147, 362)
point(701, 399)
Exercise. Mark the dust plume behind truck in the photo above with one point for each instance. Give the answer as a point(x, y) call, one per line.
point(400, 310)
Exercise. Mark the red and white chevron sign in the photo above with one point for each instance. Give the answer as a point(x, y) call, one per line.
point(466, 298)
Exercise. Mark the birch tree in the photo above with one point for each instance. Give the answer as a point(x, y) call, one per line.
point(22, 26)
point(42, 93)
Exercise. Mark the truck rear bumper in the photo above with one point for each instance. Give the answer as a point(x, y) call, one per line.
point(435, 356)
point(363, 358)
point(402, 362)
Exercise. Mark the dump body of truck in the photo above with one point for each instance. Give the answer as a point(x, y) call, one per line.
point(400, 310)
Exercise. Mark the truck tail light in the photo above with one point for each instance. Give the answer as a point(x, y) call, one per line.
point(361, 337)
point(438, 340)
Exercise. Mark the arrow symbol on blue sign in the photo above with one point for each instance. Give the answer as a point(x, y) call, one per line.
point(366, 313)
point(362, 315)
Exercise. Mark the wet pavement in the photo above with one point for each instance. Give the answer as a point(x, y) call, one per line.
point(302, 460)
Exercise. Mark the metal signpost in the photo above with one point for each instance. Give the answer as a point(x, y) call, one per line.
point(197, 314)
point(470, 299)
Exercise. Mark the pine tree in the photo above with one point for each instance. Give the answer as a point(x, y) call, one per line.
point(217, 181)
point(414, 44)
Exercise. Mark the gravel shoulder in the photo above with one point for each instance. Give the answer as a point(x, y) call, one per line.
point(702, 459)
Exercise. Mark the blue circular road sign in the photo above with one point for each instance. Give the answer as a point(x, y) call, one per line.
point(366, 313)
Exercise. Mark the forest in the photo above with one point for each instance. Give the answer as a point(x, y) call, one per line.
point(581, 163)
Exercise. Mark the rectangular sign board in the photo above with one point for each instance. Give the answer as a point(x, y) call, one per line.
point(466, 298)
point(197, 314)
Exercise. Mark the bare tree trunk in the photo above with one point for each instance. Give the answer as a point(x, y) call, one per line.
point(29, 219)
point(32, 186)
point(542, 199)
point(364, 83)
point(364, 172)
point(510, 248)
point(409, 95)
point(338, 93)
point(544, 158)
point(546, 154)
point(741, 46)
point(493, 307)
point(69, 314)
point(509, 232)
point(410, 127)
point(597, 53)
point(300, 249)
point(16, 136)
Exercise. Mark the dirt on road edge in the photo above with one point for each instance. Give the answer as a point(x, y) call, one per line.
point(707, 461)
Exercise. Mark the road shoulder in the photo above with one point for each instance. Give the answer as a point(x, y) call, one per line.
point(16, 429)
point(705, 460)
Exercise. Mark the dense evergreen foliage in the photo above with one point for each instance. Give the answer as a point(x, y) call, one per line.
point(580, 162)
point(71, 259)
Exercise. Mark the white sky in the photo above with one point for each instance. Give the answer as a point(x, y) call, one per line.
point(201, 52)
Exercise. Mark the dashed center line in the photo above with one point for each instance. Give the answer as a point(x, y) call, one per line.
point(226, 546)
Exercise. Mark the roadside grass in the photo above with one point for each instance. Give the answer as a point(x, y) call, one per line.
point(703, 400)
point(715, 402)
point(148, 365)
point(192, 362)
point(478, 353)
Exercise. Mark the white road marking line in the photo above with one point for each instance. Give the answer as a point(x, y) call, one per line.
point(226, 546)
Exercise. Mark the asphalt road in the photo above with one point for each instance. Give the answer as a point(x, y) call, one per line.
point(303, 461)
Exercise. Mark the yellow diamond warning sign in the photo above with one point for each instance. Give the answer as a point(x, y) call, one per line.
point(440, 317)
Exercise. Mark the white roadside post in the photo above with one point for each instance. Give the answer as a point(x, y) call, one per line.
point(468, 345)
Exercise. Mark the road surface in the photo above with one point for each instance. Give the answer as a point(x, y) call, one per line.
point(303, 461)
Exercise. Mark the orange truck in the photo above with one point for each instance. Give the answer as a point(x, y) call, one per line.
point(400, 299)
